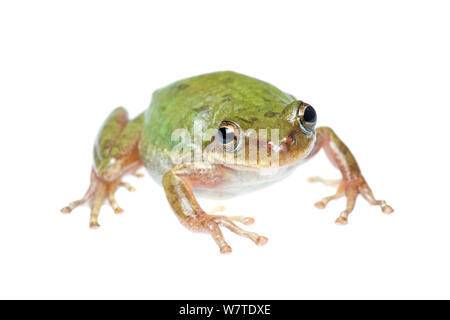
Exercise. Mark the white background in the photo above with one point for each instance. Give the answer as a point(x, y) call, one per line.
point(376, 72)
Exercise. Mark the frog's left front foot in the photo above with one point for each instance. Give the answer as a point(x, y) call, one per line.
point(351, 189)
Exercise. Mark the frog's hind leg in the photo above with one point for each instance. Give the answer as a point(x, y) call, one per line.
point(85, 198)
point(352, 183)
point(115, 154)
point(367, 194)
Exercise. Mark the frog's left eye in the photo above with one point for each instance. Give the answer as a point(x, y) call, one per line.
point(228, 135)
point(307, 118)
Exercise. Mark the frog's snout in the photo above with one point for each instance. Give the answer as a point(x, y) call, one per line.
point(284, 146)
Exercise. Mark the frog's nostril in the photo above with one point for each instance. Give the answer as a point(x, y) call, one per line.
point(289, 140)
point(284, 146)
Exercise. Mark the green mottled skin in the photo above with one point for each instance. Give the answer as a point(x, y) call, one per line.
point(108, 135)
point(210, 98)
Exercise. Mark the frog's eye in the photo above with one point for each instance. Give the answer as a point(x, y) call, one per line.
point(307, 118)
point(225, 135)
point(228, 135)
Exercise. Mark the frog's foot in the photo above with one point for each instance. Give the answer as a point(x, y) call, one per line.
point(137, 174)
point(332, 183)
point(112, 188)
point(351, 189)
point(339, 193)
point(99, 190)
point(244, 220)
point(211, 224)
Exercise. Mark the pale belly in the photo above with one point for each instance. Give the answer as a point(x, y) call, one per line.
point(245, 181)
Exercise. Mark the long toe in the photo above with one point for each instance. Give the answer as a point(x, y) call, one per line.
point(341, 221)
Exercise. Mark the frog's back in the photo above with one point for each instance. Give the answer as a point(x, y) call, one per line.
point(207, 99)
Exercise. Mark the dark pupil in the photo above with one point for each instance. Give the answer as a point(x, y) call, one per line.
point(310, 114)
point(225, 135)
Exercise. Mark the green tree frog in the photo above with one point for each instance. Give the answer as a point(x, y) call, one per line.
point(218, 134)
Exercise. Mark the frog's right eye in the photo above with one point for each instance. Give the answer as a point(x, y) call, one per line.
point(225, 135)
point(228, 135)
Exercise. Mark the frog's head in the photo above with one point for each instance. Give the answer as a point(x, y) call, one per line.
point(270, 139)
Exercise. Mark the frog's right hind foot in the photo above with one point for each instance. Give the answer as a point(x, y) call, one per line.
point(99, 190)
point(87, 196)
point(115, 155)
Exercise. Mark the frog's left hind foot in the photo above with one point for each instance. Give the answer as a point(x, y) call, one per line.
point(350, 189)
point(339, 193)
point(115, 154)
point(352, 183)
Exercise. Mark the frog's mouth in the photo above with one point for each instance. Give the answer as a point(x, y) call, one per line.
point(275, 156)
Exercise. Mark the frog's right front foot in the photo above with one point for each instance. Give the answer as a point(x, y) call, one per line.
point(99, 190)
point(178, 184)
point(211, 224)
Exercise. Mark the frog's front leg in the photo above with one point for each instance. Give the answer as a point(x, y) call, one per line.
point(179, 183)
point(115, 154)
point(352, 183)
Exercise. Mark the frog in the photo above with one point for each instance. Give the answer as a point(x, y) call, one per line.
point(247, 134)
